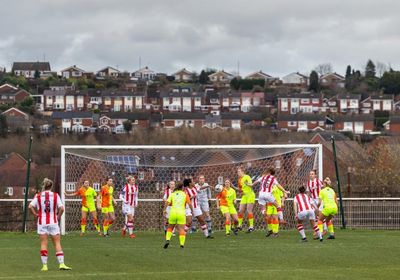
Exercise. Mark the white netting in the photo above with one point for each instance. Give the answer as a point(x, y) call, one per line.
point(155, 166)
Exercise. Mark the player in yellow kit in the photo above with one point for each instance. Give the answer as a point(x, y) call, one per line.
point(105, 202)
point(248, 199)
point(88, 195)
point(327, 197)
point(226, 199)
point(177, 215)
point(272, 212)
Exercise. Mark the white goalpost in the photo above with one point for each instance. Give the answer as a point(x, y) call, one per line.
point(155, 166)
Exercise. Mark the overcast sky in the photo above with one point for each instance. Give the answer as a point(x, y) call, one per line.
point(278, 37)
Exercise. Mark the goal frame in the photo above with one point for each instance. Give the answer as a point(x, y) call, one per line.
point(172, 147)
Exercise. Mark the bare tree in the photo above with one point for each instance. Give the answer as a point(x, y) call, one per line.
point(324, 68)
point(381, 68)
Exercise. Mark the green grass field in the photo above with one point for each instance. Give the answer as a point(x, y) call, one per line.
point(354, 254)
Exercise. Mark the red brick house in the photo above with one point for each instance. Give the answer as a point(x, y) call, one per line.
point(355, 123)
point(301, 122)
point(181, 119)
point(293, 103)
point(74, 121)
point(348, 103)
point(183, 75)
point(393, 125)
point(17, 120)
point(11, 95)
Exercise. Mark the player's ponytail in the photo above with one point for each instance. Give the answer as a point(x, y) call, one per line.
point(47, 184)
point(178, 186)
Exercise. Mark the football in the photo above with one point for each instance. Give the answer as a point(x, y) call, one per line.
point(218, 188)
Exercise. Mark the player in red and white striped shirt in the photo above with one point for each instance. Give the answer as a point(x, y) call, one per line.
point(303, 210)
point(191, 191)
point(129, 196)
point(48, 208)
point(314, 186)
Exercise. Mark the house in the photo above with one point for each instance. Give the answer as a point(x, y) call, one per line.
point(332, 80)
point(301, 122)
point(113, 122)
point(392, 126)
point(293, 103)
point(238, 121)
point(347, 151)
point(74, 121)
point(17, 120)
point(69, 100)
point(61, 85)
point(251, 100)
point(11, 95)
point(295, 80)
point(73, 72)
point(144, 73)
point(28, 69)
point(260, 75)
point(382, 102)
point(355, 123)
point(221, 78)
point(13, 169)
point(108, 72)
point(115, 100)
point(348, 103)
point(212, 121)
point(183, 75)
point(183, 119)
point(230, 101)
point(329, 105)
point(181, 99)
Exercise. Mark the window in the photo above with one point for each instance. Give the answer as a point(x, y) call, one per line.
point(10, 191)
point(96, 187)
point(70, 187)
point(305, 100)
point(291, 123)
point(348, 126)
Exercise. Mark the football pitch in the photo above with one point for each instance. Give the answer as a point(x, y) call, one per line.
point(354, 254)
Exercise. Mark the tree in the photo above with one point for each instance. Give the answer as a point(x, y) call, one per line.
point(381, 68)
point(27, 105)
point(324, 68)
point(390, 82)
point(314, 82)
point(127, 126)
point(203, 78)
point(348, 77)
point(37, 74)
point(3, 126)
point(370, 70)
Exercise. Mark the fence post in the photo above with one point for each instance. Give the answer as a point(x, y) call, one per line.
point(28, 173)
point(338, 183)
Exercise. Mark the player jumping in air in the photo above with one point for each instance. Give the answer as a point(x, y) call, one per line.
point(226, 203)
point(105, 202)
point(88, 195)
point(129, 196)
point(192, 191)
point(270, 194)
point(178, 200)
point(327, 197)
point(304, 210)
point(48, 209)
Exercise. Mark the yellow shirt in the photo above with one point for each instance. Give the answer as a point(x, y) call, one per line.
point(328, 197)
point(245, 184)
point(178, 200)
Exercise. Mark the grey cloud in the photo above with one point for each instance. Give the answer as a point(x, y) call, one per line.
point(278, 37)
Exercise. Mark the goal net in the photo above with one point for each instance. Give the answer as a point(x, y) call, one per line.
point(155, 166)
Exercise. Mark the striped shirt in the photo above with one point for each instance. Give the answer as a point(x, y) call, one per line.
point(314, 187)
point(129, 194)
point(192, 193)
point(303, 202)
point(267, 183)
point(47, 204)
point(167, 193)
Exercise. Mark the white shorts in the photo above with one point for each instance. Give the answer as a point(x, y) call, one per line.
point(197, 211)
point(128, 210)
point(265, 197)
point(314, 201)
point(204, 205)
point(306, 214)
point(52, 229)
point(167, 210)
point(188, 212)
